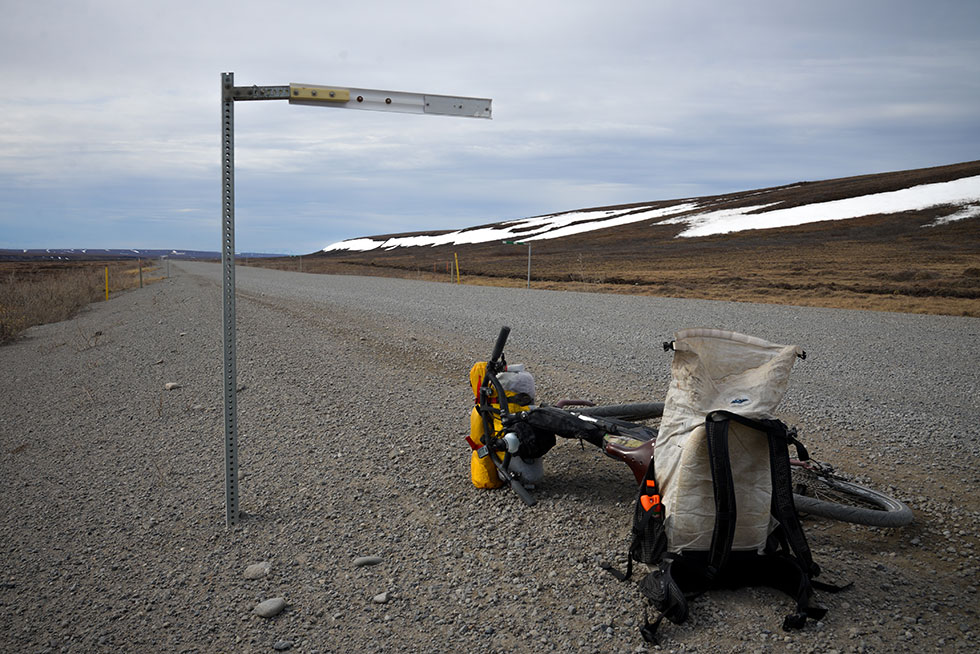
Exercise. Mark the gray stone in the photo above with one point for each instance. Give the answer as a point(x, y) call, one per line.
point(366, 560)
point(380, 598)
point(258, 570)
point(282, 645)
point(271, 607)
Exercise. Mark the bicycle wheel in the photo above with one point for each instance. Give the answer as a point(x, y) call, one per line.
point(637, 411)
point(829, 497)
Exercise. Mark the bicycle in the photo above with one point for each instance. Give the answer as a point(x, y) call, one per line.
point(619, 432)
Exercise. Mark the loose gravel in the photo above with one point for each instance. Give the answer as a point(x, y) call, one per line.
point(353, 403)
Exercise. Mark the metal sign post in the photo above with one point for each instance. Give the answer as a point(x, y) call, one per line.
point(321, 96)
point(528, 257)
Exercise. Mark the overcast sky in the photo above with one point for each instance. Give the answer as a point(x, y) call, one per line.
point(110, 110)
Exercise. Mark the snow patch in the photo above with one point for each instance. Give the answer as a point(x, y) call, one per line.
point(525, 229)
point(969, 211)
point(725, 221)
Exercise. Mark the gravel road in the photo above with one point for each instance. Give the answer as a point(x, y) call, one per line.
point(353, 403)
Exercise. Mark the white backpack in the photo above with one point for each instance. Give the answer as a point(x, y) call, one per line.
point(715, 509)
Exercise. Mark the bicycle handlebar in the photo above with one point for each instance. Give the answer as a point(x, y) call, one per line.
point(491, 383)
point(498, 348)
point(491, 442)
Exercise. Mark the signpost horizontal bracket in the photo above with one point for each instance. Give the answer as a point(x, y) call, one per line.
point(260, 93)
point(369, 99)
point(397, 101)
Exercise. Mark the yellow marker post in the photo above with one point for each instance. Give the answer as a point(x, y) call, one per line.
point(456, 256)
point(107, 283)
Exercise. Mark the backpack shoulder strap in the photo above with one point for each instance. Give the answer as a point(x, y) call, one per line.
point(723, 534)
point(783, 507)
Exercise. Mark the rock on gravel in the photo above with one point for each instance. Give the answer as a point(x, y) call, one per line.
point(270, 608)
point(258, 570)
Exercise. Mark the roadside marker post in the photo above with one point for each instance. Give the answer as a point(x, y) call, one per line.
point(303, 94)
point(528, 258)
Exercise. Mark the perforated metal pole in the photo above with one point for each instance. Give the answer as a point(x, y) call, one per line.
point(228, 293)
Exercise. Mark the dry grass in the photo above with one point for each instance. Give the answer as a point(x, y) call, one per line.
point(40, 292)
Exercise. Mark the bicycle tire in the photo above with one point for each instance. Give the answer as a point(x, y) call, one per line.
point(637, 411)
point(846, 501)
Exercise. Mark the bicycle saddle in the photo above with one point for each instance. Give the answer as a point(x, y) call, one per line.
point(634, 452)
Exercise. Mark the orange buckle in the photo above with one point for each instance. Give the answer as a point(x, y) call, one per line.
point(650, 501)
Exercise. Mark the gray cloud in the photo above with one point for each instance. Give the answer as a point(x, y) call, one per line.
point(111, 109)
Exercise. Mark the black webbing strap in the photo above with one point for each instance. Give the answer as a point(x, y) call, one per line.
point(783, 507)
point(608, 567)
point(667, 596)
point(794, 580)
point(801, 452)
point(649, 629)
point(723, 533)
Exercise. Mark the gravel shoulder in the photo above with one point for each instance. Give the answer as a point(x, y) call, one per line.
point(353, 404)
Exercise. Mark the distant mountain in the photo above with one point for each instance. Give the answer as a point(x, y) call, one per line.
point(951, 193)
point(100, 254)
